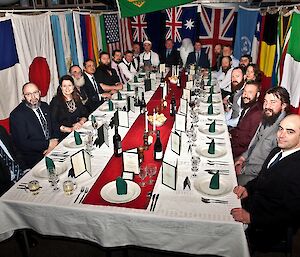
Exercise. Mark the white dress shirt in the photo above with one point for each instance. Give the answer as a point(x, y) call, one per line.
point(284, 154)
point(127, 69)
point(149, 56)
point(224, 81)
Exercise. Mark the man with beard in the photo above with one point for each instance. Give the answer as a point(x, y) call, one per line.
point(218, 54)
point(31, 128)
point(95, 94)
point(76, 73)
point(227, 51)
point(136, 49)
point(249, 119)
point(276, 104)
point(224, 78)
point(127, 67)
point(106, 76)
point(116, 60)
point(235, 98)
point(185, 49)
point(245, 60)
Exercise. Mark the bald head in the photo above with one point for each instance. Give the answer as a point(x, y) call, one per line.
point(288, 135)
point(32, 95)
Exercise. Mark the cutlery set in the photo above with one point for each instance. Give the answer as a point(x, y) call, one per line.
point(59, 156)
point(154, 200)
point(83, 192)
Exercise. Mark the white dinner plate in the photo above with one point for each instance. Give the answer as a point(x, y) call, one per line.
point(219, 130)
point(215, 99)
point(109, 192)
point(216, 90)
point(70, 142)
point(219, 151)
point(88, 125)
point(204, 112)
point(129, 93)
point(201, 184)
point(40, 170)
point(104, 107)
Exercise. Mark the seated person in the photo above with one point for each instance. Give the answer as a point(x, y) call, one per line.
point(136, 50)
point(218, 55)
point(126, 66)
point(170, 56)
point(198, 57)
point(253, 73)
point(148, 58)
point(95, 93)
point(67, 111)
point(106, 76)
point(249, 119)
point(224, 78)
point(10, 162)
point(79, 82)
point(31, 127)
point(245, 60)
point(276, 104)
point(185, 49)
point(227, 51)
point(271, 200)
point(233, 102)
point(116, 60)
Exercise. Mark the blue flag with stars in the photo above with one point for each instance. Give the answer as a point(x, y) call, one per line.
point(190, 22)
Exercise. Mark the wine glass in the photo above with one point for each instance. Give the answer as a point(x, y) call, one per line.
point(194, 117)
point(53, 179)
point(195, 165)
point(194, 137)
point(192, 104)
point(95, 126)
point(143, 175)
point(89, 143)
point(151, 169)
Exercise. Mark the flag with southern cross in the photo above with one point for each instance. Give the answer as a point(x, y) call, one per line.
point(217, 26)
point(190, 23)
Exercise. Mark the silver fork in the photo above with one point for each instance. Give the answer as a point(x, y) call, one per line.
point(81, 191)
point(209, 200)
point(84, 194)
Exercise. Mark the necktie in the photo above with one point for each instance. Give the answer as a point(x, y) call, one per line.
point(120, 74)
point(44, 123)
point(95, 85)
point(198, 57)
point(276, 160)
point(168, 53)
point(11, 164)
point(242, 115)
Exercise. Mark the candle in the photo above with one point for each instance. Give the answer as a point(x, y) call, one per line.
point(146, 120)
point(154, 120)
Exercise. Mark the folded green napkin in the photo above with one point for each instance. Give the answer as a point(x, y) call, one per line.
point(49, 163)
point(212, 147)
point(135, 79)
point(212, 127)
point(211, 90)
point(210, 109)
point(78, 140)
point(119, 96)
point(128, 87)
point(215, 181)
point(209, 99)
point(110, 105)
point(121, 186)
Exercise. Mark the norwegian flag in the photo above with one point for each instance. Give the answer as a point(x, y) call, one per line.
point(173, 24)
point(139, 26)
point(217, 26)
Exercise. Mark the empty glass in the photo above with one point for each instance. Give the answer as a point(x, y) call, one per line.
point(89, 143)
point(151, 170)
point(143, 175)
point(53, 179)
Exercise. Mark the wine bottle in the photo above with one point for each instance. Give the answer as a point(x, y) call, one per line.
point(173, 106)
point(158, 150)
point(117, 143)
point(143, 104)
point(162, 80)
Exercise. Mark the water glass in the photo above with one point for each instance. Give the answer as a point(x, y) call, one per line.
point(53, 179)
point(195, 165)
point(34, 187)
point(89, 143)
point(151, 170)
point(68, 187)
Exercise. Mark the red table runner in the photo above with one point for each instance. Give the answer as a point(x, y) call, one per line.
point(134, 139)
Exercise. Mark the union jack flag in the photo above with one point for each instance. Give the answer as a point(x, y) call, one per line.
point(173, 24)
point(217, 26)
point(139, 26)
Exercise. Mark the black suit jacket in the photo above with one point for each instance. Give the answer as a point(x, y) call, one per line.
point(5, 179)
point(172, 59)
point(94, 101)
point(203, 60)
point(274, 196)
point(27, 132)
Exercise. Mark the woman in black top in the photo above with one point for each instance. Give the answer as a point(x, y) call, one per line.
point(67, 111)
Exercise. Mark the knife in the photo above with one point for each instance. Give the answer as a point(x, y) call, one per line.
point(153, 196)
point(156, 199)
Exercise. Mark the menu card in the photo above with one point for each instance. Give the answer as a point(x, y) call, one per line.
point(81, 163)
point(183, 106)
point(176, 142)
point(180, 122)
point(131, 161)
point(169, 175)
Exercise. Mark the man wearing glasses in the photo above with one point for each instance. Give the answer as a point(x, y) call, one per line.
point(30, 126)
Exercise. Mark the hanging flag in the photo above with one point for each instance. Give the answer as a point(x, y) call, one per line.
point(71, 36)
point(110, 32)
point(217, 27)
point(291, 71)
point(268, 50)
point(283, 36)
point(9, 72)
point(94, 39)
point(256, 39)
point(78, 38)
point(139, 26)
point(130, 8)
point(84, 38)
point(190, 23)
point(126, 34)
point(174, 24)
point(246, 25)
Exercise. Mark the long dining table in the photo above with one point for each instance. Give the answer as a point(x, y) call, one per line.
point(181, 220)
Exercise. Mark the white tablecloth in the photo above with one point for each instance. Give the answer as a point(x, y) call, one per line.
point(181, 222)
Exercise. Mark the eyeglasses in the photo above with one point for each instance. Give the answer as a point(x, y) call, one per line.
point(35, 93)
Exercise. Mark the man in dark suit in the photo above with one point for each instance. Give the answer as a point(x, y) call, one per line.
point(198, 57)
point(249, 120)
point(170, 56)
point(31, 128)
point(95, 93)
point(271, 201)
